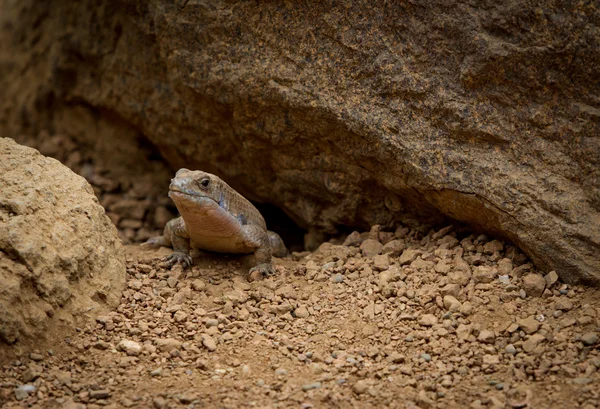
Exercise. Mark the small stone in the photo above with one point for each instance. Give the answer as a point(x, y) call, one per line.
point(534, 285)
point(408, 256)
point(36, 357)
point(393, 248)
point(135, 284)
point(505, 266)
point(489, 359)
point(180, 316)
point(353, 239)
point(157, 372)
point(582, 381)
point(360, 387)
point(426, 357)
point(23, 391)
point(310, 386)
point(484, 274)
point(450, 289)
point(338, 278)
point(187, 398)
point(564, 304)
point(451, 303)
point(589, 338)
point(532, 342)
point(551, 278)
point(301, 312)
point(167, 344)
point(428, 320)
point(381, 262)
point(460, 278)
point(99, 394)
point(487, 336)
point(396, 357)
point(492, 247)
point(209, 342)
point(159, 403)
point(370, 248)
point(510, 349)
point(198, 285)
point(131, 348)
point(529, 325)
point(32, 373)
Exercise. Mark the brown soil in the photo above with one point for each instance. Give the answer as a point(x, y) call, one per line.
point(444, 320)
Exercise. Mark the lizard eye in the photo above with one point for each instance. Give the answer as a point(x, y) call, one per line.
point(205, 182)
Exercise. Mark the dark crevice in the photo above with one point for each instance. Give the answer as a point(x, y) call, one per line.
point(282, 224)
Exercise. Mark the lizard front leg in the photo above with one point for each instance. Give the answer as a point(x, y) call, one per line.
point(180, 241)
point(258, 238)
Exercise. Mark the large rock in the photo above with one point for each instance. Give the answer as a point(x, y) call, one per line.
point(341, 115)
point(60, 259)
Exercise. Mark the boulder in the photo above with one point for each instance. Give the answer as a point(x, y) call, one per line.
point(61, 262)
point(375, 114)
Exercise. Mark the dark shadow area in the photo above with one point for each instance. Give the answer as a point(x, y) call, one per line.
point(282, 224)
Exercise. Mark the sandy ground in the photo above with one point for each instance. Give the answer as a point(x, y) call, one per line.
point(385, 319)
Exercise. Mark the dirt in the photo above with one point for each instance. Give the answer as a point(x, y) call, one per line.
point(445, 319)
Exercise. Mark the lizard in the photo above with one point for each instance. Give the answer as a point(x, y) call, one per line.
point(214, 217)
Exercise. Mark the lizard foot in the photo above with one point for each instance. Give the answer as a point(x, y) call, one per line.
point(184, 259)
point(261, 270)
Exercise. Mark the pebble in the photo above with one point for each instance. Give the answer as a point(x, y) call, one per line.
point(310, 386)
point(551, 278)
point(36, 357)
point(381, 262)
point(167, 344)
point(426, 357)
point(487, 336)
point(532, 342)
point(589, 338)
point(131, 348)
point(451, 303)
point(510, 349)
point(370, 248)
point(529, 325)
point(360, 387)
point(338, 278)
point(428, 320)
point(24, 391)
point(301, 312)
point(209, 343)
point(534, 285)
point(99, 394)
point(484, 274)
point(563, 304)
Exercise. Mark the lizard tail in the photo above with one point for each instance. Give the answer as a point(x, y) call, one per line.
point(156, 242)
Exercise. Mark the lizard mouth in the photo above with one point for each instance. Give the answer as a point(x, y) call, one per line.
point(175, 192)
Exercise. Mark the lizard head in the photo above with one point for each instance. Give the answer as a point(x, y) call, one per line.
point(194, 187)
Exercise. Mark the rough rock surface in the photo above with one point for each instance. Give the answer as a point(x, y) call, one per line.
point(60, 258)
point(207, 338)
point(340, 116)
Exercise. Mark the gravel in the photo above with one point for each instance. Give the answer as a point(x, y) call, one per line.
point(419, 325)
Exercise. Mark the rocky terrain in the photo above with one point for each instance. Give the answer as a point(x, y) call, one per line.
point(404, 319)
point(340, 114)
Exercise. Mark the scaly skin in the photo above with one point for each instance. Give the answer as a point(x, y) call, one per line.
point(215, 217)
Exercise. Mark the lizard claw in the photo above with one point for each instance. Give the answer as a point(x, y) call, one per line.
point(266, 269)
point(184, 259)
